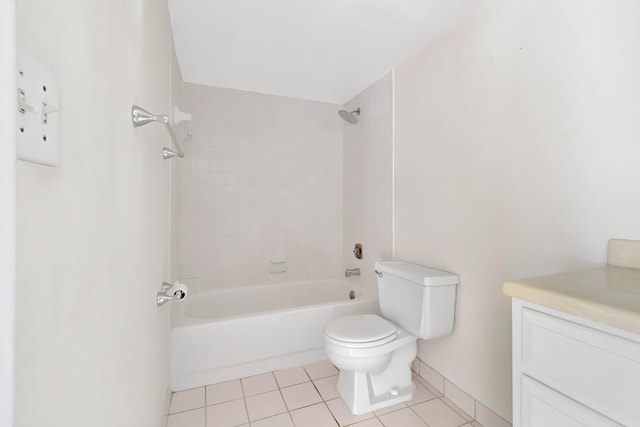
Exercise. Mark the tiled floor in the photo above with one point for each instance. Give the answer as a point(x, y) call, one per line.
point(303, 397)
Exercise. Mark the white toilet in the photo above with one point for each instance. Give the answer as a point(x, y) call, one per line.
point(374, 354)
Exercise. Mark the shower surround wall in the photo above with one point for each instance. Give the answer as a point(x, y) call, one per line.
point(261, 180)
point(368, 181)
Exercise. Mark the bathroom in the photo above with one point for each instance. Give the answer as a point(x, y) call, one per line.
point(507, 146)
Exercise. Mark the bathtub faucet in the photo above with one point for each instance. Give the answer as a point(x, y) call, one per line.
point(351, 272)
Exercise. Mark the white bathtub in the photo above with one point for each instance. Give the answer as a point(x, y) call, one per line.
point(232, 333)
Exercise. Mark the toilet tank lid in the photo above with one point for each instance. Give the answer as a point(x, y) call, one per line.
point(417, 273)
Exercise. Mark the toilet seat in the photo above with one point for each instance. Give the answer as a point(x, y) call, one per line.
point(360, 331)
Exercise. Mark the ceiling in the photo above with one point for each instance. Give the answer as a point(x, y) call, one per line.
point(321, 50)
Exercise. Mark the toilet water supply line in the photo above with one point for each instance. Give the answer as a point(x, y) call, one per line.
point(169, 292)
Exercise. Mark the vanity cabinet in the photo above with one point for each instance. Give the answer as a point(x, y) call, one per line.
point(576, 344)
point(572, 371)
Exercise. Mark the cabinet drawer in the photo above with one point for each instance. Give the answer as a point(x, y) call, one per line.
point(544, 407)
point(599, 370)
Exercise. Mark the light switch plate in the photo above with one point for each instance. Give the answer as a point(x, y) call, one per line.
point(38, 116)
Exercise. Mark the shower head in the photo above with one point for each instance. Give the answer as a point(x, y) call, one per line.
point(350, 116)
point(140, 116)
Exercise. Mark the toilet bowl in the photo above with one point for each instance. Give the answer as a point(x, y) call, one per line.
point(374, 359)
point(373, 353)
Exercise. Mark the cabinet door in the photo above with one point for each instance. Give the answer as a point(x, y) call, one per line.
point(545, 407)
point(598, 369)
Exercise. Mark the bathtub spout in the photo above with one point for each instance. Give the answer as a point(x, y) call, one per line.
point(351, 272)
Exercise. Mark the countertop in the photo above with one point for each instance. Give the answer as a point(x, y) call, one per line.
point(609, 295)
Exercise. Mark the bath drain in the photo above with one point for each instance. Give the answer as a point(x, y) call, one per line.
point(352, 295)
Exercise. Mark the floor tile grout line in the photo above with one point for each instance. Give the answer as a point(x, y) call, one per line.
point(307, 406)
point(244, 399)
point(331, 413)
point(457, 409)
point(291, 418)
point(267, 417)
point(205, 406)
point(421, 419)
point(307, 374)
point(318, 391)
point(283, 399)
point(290, 385)
point(187, 410)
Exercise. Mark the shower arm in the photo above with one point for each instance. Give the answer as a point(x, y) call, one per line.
point(140, 117)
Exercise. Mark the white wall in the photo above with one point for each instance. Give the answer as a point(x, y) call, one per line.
point(262, 179)
point(7, 208)
point(517, 144)
point(92, 233)
point(368, 180)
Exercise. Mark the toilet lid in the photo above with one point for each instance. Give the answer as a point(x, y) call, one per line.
point(360, 328)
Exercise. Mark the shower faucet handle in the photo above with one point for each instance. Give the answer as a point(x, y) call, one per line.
point(351, 272)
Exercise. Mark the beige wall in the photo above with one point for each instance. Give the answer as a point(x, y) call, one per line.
point(92, 233)
point(517, 144)
point(368, 180)
point(261, 180)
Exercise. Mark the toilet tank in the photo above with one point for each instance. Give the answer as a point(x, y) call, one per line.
point(420, 299)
